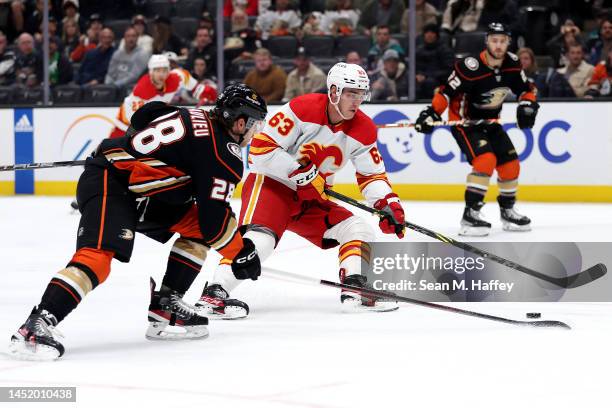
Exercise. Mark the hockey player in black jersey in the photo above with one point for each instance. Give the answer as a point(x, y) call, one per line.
point(476, 89)
point(173, 172)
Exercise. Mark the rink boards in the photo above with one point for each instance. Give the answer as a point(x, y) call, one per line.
point(567, 156)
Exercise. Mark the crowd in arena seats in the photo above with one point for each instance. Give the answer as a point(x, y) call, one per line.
point(284, 48)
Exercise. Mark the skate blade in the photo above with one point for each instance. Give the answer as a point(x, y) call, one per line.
point(508, 226)
point(230, 312)
point(468, 231)
point(355, 306)
point(19, 350)
point(163, 331)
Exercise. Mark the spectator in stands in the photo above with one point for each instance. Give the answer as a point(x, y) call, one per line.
point(378, 13)
point(205, 48)
point(280, 20)
point(145, 41)
point(341, 21)
point(569, 34)
point(266, 78)
point(353, 57)
point(434, 61)
point(602, 47)
point(164, 38)
point(242, 40)
point(305, 78)
point(86, 43)
point(311, 26)
point(578, 72)
point(549, 83)
point(391, 83)
point(33, 19)
point(95, 64)
point(425, 14)
point(38, 36)
point(593, 36)
point(71, 36)
point(12, 17)
point(7, 62)
point(70, 9)
point(200, 72)
point(127, 63)
point(60, 68)
point(601, 81)
point(249, 6)
point(206, 21)
point(382, 43)
point(28, 62)
point(461, 15)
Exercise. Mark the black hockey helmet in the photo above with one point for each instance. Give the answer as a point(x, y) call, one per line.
point(239, 100)
point(498, 28)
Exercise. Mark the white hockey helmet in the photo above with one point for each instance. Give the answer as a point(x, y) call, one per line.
point(158, 61)
point(344, 75)
point(171, 55)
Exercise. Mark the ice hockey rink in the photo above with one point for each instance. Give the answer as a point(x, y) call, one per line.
point(297, 349)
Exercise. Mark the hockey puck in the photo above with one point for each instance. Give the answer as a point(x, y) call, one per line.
point(534, 315)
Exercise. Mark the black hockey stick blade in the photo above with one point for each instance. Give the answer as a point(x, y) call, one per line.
point(574, 281)
point(551, 324)
point(49, 165)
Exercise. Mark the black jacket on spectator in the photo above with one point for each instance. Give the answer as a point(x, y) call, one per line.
point(556, 48)
point(552, 84)
point(208, 53)
point(174, 44)
point(434, 60)
point(501, 11)
point(369, 15)
point(28, 64)
point(95, 65)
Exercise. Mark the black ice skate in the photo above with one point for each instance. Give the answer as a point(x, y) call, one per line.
point(216, 304)
point(171, 318)
point(37, 338)
point(472, 223)
point(354, 302)
point(513, 221)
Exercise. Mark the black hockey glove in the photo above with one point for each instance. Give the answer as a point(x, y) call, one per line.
point(246, 264)
point(526, 114)
point(423, 123)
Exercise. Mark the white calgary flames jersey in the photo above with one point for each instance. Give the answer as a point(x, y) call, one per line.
point(144, 91)
point(301, 130)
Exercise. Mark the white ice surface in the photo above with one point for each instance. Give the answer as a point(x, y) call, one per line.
point(296, 349)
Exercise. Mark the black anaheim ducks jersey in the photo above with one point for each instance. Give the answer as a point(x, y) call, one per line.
point(177, 155)
point(475, 90)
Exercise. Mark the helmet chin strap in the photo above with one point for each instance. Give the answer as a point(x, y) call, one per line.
point(336, 106)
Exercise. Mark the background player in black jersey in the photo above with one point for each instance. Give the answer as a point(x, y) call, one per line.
point(173, 172)
point(476, 89)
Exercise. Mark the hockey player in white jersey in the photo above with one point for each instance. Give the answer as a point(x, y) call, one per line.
point(293, 159)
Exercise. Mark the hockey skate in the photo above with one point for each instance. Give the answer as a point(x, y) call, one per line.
point(354, 302)
point(171, 318)
point(513, 221)
point(216, 304)
point(37, 338)
point(472, 223)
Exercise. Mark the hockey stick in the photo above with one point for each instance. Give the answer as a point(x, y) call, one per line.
point(462, 122)
point(284, 275)
point(581, 278)
point(49, 165)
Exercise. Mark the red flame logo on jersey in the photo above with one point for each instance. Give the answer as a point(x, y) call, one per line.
point(318, 154)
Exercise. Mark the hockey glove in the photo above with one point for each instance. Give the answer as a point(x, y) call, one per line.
point(526, 114)
point(310, 184)
point(393, 221)
point(426, 117)
point(246, 264)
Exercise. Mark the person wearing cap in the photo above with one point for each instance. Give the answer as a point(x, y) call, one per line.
point(145, 41)
point(164, 39)
point(382, 43)
point(89, 40)
point(434, 60)
point(305, 78)
point(60, 68)
point(391, 83)
point(95, 64)
point(127, 63)
point(267, 78)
